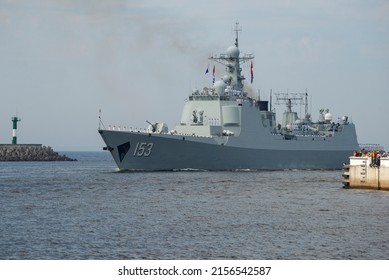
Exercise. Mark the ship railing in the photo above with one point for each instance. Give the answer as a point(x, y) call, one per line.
point(208, 97)
point(144, 130)
point(371, 147)
point(207, 122)
point(314, 135)
point(124, 128)
point(204, 97)
point(305, 134)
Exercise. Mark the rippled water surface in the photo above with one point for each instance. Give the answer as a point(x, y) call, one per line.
point(88, 210)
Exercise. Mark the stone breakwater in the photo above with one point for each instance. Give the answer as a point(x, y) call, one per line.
point(30, 152)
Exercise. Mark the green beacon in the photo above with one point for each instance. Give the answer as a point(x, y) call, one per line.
point(15, 121)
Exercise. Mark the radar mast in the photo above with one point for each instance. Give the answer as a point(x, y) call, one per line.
point(232, 61)
point(237, 29)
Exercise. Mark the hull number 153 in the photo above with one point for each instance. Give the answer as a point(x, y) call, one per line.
point(143, 149)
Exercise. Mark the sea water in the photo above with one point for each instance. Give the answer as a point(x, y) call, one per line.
point(88, 210)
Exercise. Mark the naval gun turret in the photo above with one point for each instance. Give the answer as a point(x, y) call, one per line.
point(157, 127)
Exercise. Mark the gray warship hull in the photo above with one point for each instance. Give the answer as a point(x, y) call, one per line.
point(155, 152)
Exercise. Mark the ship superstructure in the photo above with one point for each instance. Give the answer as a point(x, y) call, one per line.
point(222, 127)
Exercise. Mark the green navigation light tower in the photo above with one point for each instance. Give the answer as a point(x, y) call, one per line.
point(15, 121)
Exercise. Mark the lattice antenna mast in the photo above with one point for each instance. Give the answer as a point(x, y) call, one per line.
point(290, 99)
point(232, 60)
point(307, 116)
point(237, 30)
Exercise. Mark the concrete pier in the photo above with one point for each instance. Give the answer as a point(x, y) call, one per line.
point(360, 174)
point(30, 152)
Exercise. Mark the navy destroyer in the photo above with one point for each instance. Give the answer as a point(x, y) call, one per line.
point(222, 127)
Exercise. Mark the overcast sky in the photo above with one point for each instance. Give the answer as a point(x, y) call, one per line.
point(63, 60)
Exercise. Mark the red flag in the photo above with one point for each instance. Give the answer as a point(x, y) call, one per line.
point(251, 72)
point(213, 73)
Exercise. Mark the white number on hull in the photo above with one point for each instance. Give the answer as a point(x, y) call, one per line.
point(143, 149)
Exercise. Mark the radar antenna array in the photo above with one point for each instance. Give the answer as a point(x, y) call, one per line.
point(296, 98)
point(290, 98)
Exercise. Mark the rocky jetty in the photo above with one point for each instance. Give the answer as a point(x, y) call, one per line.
point(30, 152)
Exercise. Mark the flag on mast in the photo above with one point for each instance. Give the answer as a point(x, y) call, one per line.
point(206, 71)
point(213, 73)
point(251, 72)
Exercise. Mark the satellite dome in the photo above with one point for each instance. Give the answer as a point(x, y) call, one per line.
point(233, 52)
point(328, 117)
point(227, 79)
point(220, 87)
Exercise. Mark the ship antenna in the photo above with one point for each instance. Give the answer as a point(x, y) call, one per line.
point(100, 121)
point(237, 29)
point(306, 102)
